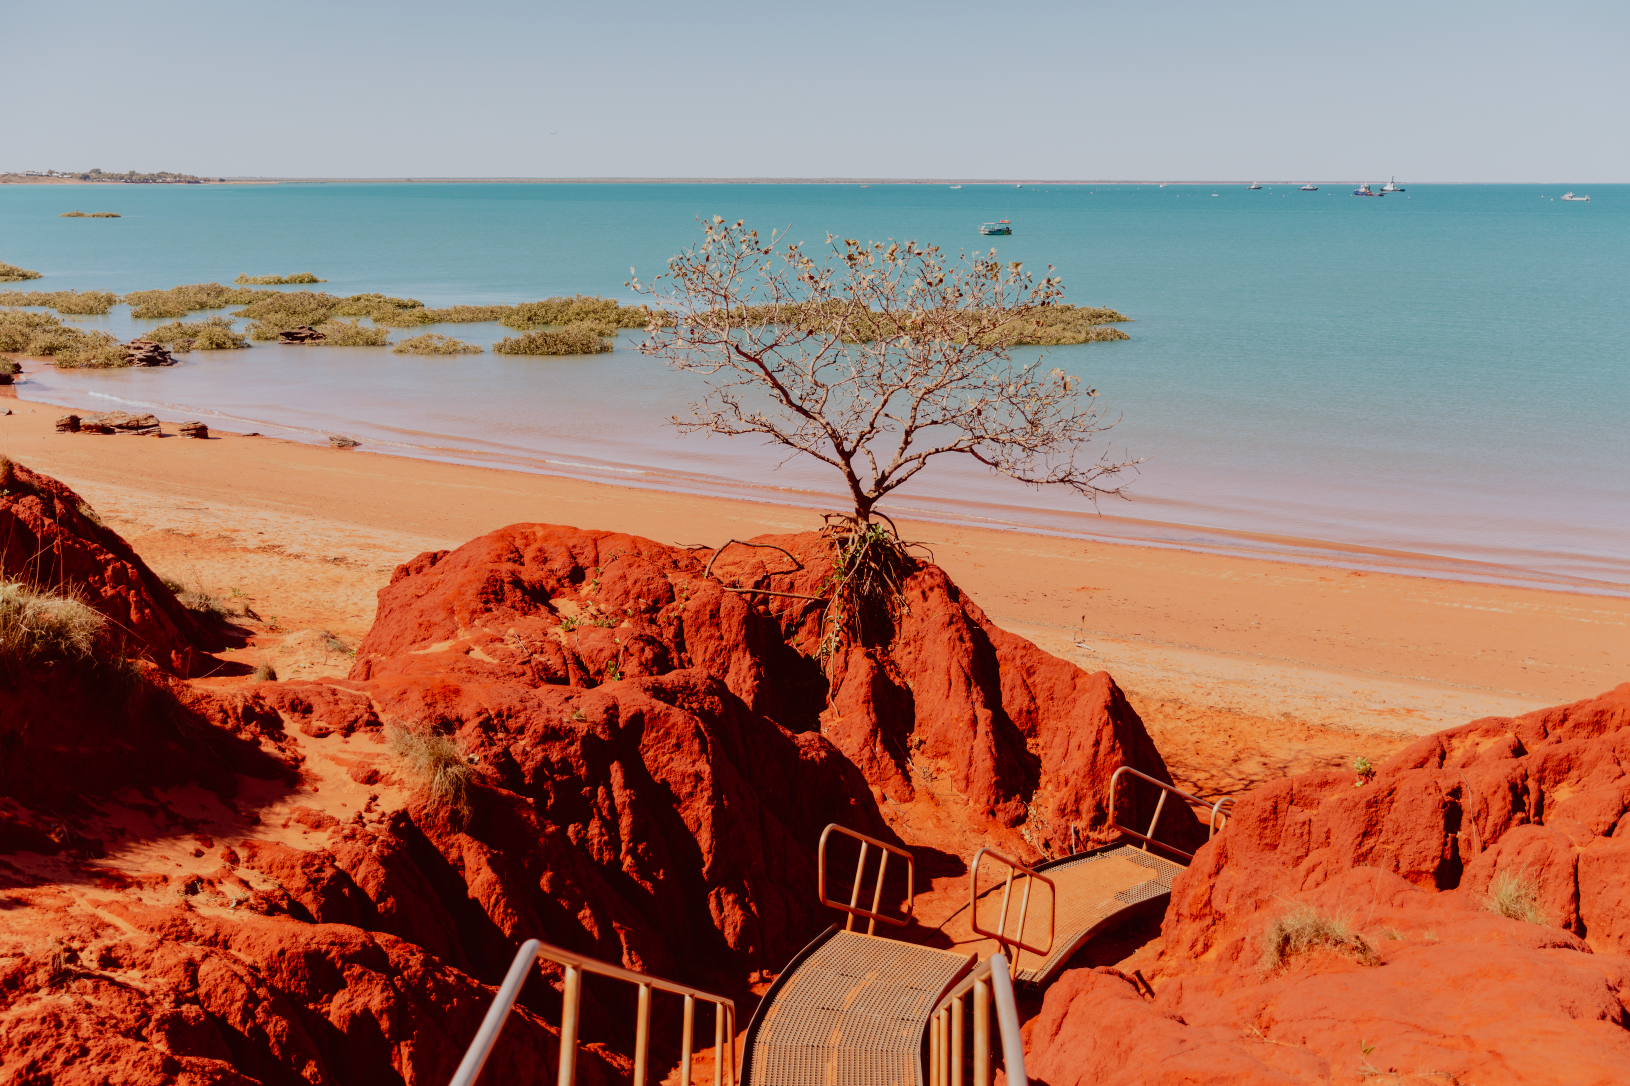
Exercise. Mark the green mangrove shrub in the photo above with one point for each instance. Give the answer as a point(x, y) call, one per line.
point(75, 302)
point(353, 333)
point(179, 301)
point(584, 337)
point(277, 280)
point(435, 343)
point(210, 334)
point(91, 215)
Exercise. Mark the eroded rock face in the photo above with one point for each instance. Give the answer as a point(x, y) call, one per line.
point(1408, 860)
point(1028, 739)
point(49, 539)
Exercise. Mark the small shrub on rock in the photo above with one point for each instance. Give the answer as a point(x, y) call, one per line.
point(435, 762)
point(1303, 928)
point(11, 273)
point(41, 627)
point(1514, 895)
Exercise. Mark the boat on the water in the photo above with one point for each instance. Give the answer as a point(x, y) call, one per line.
point(1252, 186)
point(1309, 187)
point(956, 186)
point(1364, 190)
point(1392, 186)
point(1002, 226)
point(1572, 199)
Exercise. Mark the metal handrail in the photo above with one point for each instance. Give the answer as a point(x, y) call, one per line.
point(1160, 806)
point(854, 908)
point(945, 1028)
point(1000, 934)
point(724, 1018)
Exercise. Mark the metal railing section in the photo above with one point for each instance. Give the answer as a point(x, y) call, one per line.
point(1215, 809)
point(947, 1043)
point(724, 1018)
point(1000, 934)
point(854, 908)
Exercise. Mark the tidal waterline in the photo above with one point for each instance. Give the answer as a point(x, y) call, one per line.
point(1439, 372)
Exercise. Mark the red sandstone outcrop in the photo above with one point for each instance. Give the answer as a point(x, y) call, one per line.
point(50, 538)
point(1028, 739)
point(1407, 860)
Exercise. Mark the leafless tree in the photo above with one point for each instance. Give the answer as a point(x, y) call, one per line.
point(875, 360)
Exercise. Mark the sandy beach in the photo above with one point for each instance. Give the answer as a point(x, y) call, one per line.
point(1244, 669)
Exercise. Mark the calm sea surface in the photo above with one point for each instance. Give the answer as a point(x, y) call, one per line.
point(1444, 371)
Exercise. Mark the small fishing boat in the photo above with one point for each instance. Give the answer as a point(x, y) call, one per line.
point(1364, 190)
point(1309, 187)
point(956, 186)
point(1252, 187)
point(1572, 199)
point(1392, 186)
point(1002, 226)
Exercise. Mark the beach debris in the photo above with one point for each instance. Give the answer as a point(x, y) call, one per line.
point(303, 334)
point(193, 429)
point(120, 422)
point(144, 352)
point(68, 424)
point(340, 441)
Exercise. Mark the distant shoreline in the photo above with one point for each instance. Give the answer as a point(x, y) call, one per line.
point(19, 179)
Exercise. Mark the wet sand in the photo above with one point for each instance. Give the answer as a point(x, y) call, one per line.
point(1244, 669)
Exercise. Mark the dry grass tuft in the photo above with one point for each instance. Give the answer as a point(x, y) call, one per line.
point(278, 280)
point(76, 302)
point(11, 273)
point(436, 763)
point(435, 343)
point(263, 673)
point(340, 333)
point(42, 627)
point(210, 334)
point(1515, 895)
point(1303, 928)
point(196, 600)
point(580, 338)
point(179, 301)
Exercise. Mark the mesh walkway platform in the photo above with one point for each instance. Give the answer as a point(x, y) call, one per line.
point(1095, 891)
point(849, 1011)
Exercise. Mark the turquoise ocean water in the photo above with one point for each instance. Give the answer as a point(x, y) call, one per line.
point(1444, 372)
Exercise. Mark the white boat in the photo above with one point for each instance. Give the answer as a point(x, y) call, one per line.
point(1392, 186)
point(1572, 199)
point(956, 186)
point(1309, 187)
point(1252, 187)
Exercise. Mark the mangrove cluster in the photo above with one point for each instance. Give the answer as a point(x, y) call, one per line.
point(89, 215)
point(277, 280)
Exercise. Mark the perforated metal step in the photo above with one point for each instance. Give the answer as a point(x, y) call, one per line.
point(850, 1011)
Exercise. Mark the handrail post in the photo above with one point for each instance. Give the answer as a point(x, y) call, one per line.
point(1007, 1020)
point(877, 895)
point(956, 1041)
point(730, 1041)
point(475, 1056)
point(642, 1036)
point(718, 1044)
point(568, 1024)
point(854, 896)
point(981, 1032)
point(689, 1029)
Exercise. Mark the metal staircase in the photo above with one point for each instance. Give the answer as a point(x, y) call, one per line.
point(856, 1009)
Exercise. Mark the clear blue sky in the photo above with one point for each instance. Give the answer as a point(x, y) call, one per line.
point(1427, 91)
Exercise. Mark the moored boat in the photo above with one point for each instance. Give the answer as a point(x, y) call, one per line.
point(1252, 186)
point(1002, 226)
point(1309, 187)
point(1392, 186)
point(1364, 190)
point(1572, 199)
